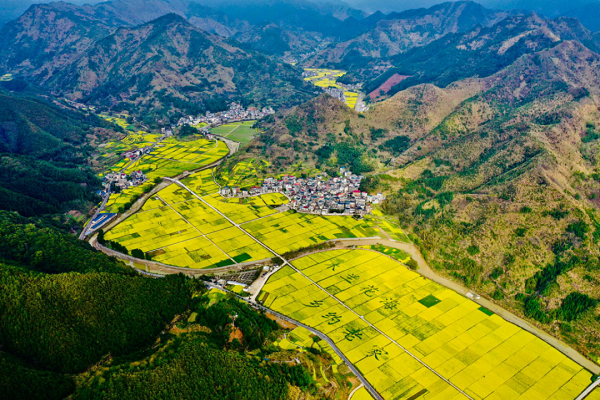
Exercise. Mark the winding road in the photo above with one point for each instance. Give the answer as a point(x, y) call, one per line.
point(425, 270)
point(324, 337)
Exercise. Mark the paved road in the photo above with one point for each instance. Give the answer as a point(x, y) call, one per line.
point(324, 337)
point(426, 271)
point(588, 390)
point(98, 211)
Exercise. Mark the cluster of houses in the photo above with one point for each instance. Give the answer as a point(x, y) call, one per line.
point(123, 181)
point(235, 113)
point(319, 195)
point(135, 154)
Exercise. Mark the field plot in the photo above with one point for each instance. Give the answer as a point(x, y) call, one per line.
point(291, 231)
point(327, 78)
point(362, 394)
point(237, 131)
point(118, 201)
point(244, 174)
point(201, 183)
point(351, 99)
point(172, 157)
point(176, 228)
point(477, 351)
point(239, 213)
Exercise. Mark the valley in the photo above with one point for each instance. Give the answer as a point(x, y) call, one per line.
point(379, 313)
point(299, 200)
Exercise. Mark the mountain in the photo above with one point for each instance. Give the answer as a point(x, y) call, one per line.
point(496, 177)
point(49, 36)
point(482, 51)
point(383, 36)
point(169, 65)
point(270, 39)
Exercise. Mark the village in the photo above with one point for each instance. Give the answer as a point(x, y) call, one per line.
point(319, 195)
point(235, 113)
point(123, 181)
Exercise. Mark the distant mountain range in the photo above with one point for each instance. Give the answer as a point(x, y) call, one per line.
point(383, 36)
point(73, 50)
point(483, 51)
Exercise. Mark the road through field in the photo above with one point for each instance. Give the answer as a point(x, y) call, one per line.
point(426, 271)
point(324, 337)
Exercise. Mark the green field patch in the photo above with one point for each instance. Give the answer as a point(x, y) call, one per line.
point(429, 301)
point(224, 263)
point(486, 311)
point(242, 257)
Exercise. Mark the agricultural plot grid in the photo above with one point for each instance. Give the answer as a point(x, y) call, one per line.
point(412, 338)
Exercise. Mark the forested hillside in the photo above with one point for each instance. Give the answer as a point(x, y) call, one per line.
point(86, 308)
point(44, 156)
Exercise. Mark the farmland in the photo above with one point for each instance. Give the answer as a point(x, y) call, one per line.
point(323, 77)
point(192, 228)
point(237, 131)
point(327, 78)
point(402, 330)
point(176, 228)
point(170, 158)
point(291, 231)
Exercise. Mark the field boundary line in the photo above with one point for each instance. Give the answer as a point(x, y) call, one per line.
point(199, 231)
point(381, 332)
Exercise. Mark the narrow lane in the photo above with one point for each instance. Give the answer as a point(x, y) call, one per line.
point(324, 337)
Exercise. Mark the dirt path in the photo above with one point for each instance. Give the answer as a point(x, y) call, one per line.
point(426, 271)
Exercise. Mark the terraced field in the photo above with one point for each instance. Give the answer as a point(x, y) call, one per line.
point(413, 338)
point(244, 174)
point(172, 157)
